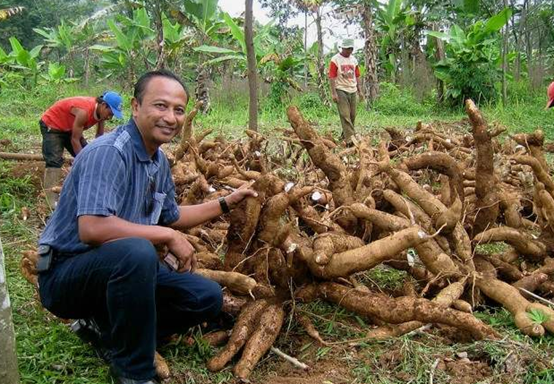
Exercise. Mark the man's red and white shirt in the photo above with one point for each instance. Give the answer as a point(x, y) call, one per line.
point(345, 71)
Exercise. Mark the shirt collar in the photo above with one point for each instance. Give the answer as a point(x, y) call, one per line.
point(138, 143)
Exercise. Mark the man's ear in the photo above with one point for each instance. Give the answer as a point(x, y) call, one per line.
point(134, 105)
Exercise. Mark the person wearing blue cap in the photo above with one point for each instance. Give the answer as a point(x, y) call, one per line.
point(62, 126)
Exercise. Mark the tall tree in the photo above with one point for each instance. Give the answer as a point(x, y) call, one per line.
point(8, 360)
point(252, 72)
point(371, 81)
point(505, 37)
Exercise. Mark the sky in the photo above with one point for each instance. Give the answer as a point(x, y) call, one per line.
point(333, 31)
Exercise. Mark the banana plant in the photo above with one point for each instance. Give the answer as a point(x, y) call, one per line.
point(471, 68)
point(132, 45)
point(56, 74)
point(263, 43)
point(392, 20)
point(22, 60)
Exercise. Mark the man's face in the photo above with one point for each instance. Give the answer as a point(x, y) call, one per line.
point(347, 51)
point(104, 112)
point(161, 114)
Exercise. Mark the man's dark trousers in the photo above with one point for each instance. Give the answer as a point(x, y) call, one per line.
point(346, 105)
point(134, 298)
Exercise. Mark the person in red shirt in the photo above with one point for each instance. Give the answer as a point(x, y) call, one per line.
point(550, 93)
point(344, 77)
point(62, 126)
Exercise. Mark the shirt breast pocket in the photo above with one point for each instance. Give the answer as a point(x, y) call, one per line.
point(159, 199)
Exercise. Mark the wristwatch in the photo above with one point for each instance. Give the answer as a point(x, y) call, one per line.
point(223, 205)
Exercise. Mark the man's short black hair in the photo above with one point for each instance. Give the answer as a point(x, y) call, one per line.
point(141, 84)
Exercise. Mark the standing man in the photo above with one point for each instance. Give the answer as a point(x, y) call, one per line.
point(98, 259)
point(550, 94)
point(344, 76)
point(62, 126)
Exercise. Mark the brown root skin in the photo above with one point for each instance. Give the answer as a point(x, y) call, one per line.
point(162, 369)
point(430, 253)
point(440, 162)
point(381, 219)
point(236, 282)
point(403, 309)
point(427, 201)
point(186, 133)
point(243, 329)
point(462, 305)
point(326, 245)
point(244, 221)
point(450, 294)
point(209, 260)
point(360, 259)
point(549, 312)
point(274, 209)
point(530, 283)
point(447, 297)
point(268, 327)
point(522, 242)
point(448, 220)
point(510, 205)
point(538, 170)
point(232, 304)
point(486, 187)
point(217, 338)
point(329, 163)
point(534, 143)
point(506, 271)
point(546, 205)
point(513, 301)
point(408, 209)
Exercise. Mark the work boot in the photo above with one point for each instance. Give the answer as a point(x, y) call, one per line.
point(88, 331)
point(125, 380)
point(52, 177)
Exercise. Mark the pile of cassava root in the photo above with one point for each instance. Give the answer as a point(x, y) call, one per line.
point(325, 214)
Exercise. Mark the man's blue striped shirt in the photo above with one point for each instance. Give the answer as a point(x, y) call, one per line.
point(113, 175)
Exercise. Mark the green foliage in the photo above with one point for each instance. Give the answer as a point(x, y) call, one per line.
point(130, 39)
point(471, 67)
point(394, 101)
point(41, 14)
point(14, 192)
point(537, 316)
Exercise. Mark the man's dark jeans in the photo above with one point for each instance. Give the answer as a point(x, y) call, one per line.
point(53, 143)
point(134, 299)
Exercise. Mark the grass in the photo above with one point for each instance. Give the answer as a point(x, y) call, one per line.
point(49, 353)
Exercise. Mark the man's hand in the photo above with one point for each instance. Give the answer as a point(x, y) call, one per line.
point(240, 194)
point(180, 247)
point(335, 97)
point(361, 96)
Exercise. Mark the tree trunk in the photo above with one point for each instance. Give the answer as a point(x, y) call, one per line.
point(505, 60)
point(202, 90)
point(306, 49)
point(527, 34)
point(371, 81)
point(251, 59)
point(516, 33)
point(87, 67)
point(158, 22)
point(321, 81)
point(439, 55)
point(8, 359)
